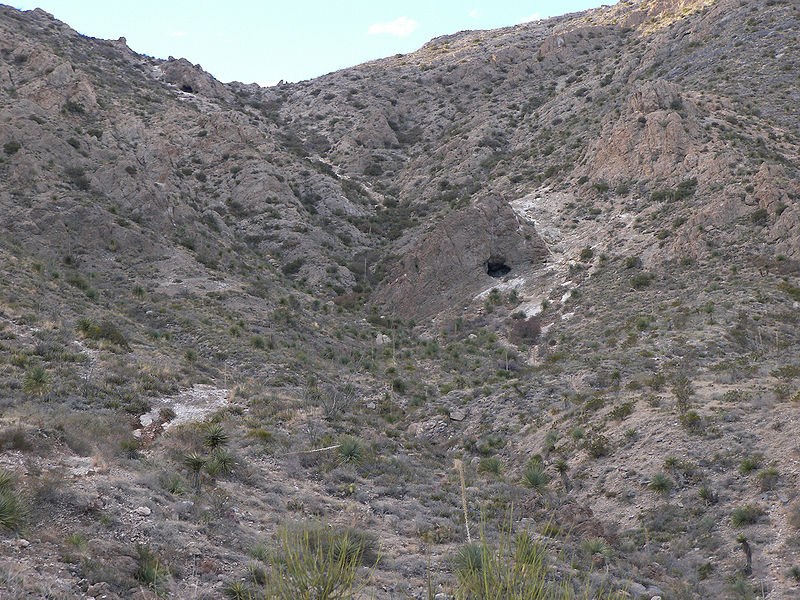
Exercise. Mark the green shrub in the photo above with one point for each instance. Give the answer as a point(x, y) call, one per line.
point(152, 570)
point(759, 217)
point(745, 515)
point(13, 508)
point(35, 380)
point(215, 436)
point(491, 464)
point(11, 147)
point(315, 561)
point(535, 478)
point(351, 450)
point(515, 567)
point(768, 478)
point(750, 464)
point(106, 330)
point(661, 484)
point(641, 281)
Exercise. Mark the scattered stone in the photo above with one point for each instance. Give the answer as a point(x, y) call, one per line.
point(382, 339)
point(637, 590)
point(458, 414)
point(144, 511)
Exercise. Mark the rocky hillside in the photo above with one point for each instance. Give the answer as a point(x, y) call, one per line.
point(564, 255)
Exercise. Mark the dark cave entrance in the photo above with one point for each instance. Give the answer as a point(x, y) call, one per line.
point(497, 267)
point(187, 88)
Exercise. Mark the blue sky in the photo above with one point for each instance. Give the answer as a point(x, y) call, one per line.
point(265, 41)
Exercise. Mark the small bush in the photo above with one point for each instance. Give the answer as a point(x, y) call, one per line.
point(492, 465)
point(11, 147)
point(315, 561)
point(351, 450)
point(535, 478)
point(759, 217)
point(526, 331)
point(13, 508)
point(641, 281)
point(35, 380)
point(106, 330)
point(661, 484)
point(745, 515)
point(750, 464)
point(152, 571)
point(215, 436)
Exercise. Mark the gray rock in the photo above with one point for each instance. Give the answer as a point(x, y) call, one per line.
point(458, 414)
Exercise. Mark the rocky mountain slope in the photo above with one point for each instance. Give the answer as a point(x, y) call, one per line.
point(565, 253)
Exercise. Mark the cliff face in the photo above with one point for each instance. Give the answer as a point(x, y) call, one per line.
point(467, 251)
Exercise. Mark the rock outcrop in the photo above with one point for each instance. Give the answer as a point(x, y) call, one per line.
point(463, 254)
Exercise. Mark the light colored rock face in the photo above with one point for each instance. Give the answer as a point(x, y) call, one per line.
point(649, 140)
point(449, 265)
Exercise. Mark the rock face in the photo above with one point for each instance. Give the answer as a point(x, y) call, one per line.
point(463, 254)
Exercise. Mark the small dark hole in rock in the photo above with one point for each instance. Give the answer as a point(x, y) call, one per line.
point(187, 88)
point(497, 268)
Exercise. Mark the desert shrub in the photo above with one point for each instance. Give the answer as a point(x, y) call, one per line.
point(77, 177)
point(597, 446)
point(491, 464)
point(745, 515)
point(152, 570)
point(642, 280)
point(293, 267)
point(750, 464)
point(586, 254)
point(526, 331)
point(623, 410)
point(106, 330)
point(35, 380)
point(594, 546)
point(13, 508)
point(215, 436)
point(661, 484)
point(351, 450)
point(759, 217)
point(513, 567)
point(315, 561)
point(535, 478)
point(11, 147)
point(768, 478)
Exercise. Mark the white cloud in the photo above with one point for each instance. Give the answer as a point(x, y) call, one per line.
point(533, 17)
point(178, 34)
point(473, 13)
point(402, 26)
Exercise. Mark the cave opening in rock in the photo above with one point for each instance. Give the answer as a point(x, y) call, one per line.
point(187, 88)
point(496, 267)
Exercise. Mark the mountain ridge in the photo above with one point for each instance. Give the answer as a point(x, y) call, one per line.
point(564, 253)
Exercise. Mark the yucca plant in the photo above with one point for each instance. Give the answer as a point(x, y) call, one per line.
point(215, 436)
point(660, 484)
point(35, 380)
point(351, 450)
point(535, 478)
point(316, 562)
point(195, 463)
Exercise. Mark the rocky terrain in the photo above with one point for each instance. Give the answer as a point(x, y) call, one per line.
point(546, 277)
